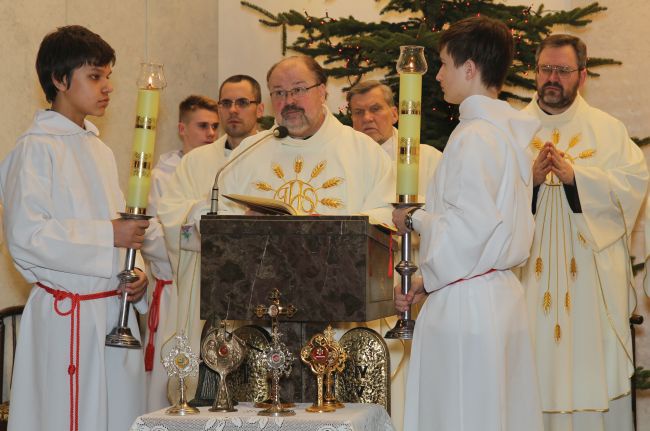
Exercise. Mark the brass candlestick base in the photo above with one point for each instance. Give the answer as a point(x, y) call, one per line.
point(404, 327)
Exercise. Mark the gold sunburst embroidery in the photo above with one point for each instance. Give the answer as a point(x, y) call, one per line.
point(537, 142)
point(303, 194)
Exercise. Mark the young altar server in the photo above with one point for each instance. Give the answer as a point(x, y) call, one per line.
point(472, 364)
point(61, 200)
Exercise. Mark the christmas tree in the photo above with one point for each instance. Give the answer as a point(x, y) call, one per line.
point(350, 48)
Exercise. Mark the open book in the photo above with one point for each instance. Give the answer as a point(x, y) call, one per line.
point(276, 207)
point(263, 205)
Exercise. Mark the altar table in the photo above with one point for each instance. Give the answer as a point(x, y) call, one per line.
point(353, 417)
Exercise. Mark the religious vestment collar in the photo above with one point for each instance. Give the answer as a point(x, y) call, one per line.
point(317, 138)
point(557, 119)
point(48, 122)
point(516, 124)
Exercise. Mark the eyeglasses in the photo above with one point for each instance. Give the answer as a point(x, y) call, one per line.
point(295, 93)
point(241, 103)
point(546, 70)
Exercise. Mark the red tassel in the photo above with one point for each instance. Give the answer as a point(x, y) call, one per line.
point(148, 357)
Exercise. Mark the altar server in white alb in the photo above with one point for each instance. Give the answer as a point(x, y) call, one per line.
point(198, 124)
point(322, 167)
point(185, 197)
point(590, 180)
point(373, 111)
point(472, 365)
point(61, 196)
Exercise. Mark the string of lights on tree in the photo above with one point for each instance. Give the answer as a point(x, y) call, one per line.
point(349, 48)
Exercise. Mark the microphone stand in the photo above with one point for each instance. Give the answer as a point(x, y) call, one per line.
point(278, 132)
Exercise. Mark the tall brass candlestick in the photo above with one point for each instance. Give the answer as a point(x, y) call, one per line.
point(411, 65)
point(150, 82)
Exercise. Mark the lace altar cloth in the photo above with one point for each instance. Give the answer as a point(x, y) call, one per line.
point(354, 417)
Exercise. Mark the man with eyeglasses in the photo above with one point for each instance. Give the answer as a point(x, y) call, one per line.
point(589, 181)
point(185, 197)
point(198, 123)
point(373, 111)
point(322, 167)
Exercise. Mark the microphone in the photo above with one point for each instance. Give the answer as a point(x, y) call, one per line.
point(278, 132)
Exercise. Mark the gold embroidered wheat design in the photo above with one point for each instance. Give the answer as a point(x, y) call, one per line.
point(586, 154)
point(297, 165)
point(574, 268)
point(567, 301)
point(539, 266)
point(277, 170)
point(318, 169)
point(331, 202)
point(332, 182)
point(261, 185)
point(546, 302)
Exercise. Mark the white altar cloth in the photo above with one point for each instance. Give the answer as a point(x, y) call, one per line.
point(353, 417)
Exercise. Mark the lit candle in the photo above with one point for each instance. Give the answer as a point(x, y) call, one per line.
point(142, 152)
point(408, 136)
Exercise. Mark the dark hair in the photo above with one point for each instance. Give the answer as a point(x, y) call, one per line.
point(364, 87)
point(257, 91)
point(560, 40)
point(194, 102)
point(486, 41)
point(66, 49)
point(312, 65)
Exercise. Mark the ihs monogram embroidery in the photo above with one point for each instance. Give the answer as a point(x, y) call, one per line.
point(301, 194)
point(557, 219)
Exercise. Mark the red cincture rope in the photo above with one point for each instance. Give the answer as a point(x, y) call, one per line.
point(152, 322)
point(74, 313)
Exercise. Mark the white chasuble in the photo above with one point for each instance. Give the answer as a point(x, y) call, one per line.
point(578, 277)
point(472, 365)
point(165, 312)
point(337, 171)
point(60, 190)
point(185, 198)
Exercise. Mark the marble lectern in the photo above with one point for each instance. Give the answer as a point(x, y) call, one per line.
point(331, 268)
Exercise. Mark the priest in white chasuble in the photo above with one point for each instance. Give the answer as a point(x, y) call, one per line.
point(322, 167)
point(590, 180)
point(185, 196)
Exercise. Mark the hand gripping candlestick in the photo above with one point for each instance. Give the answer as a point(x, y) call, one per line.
point(150, 82)
point(411, 65)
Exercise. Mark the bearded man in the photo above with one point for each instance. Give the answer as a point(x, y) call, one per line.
point(589, 182)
